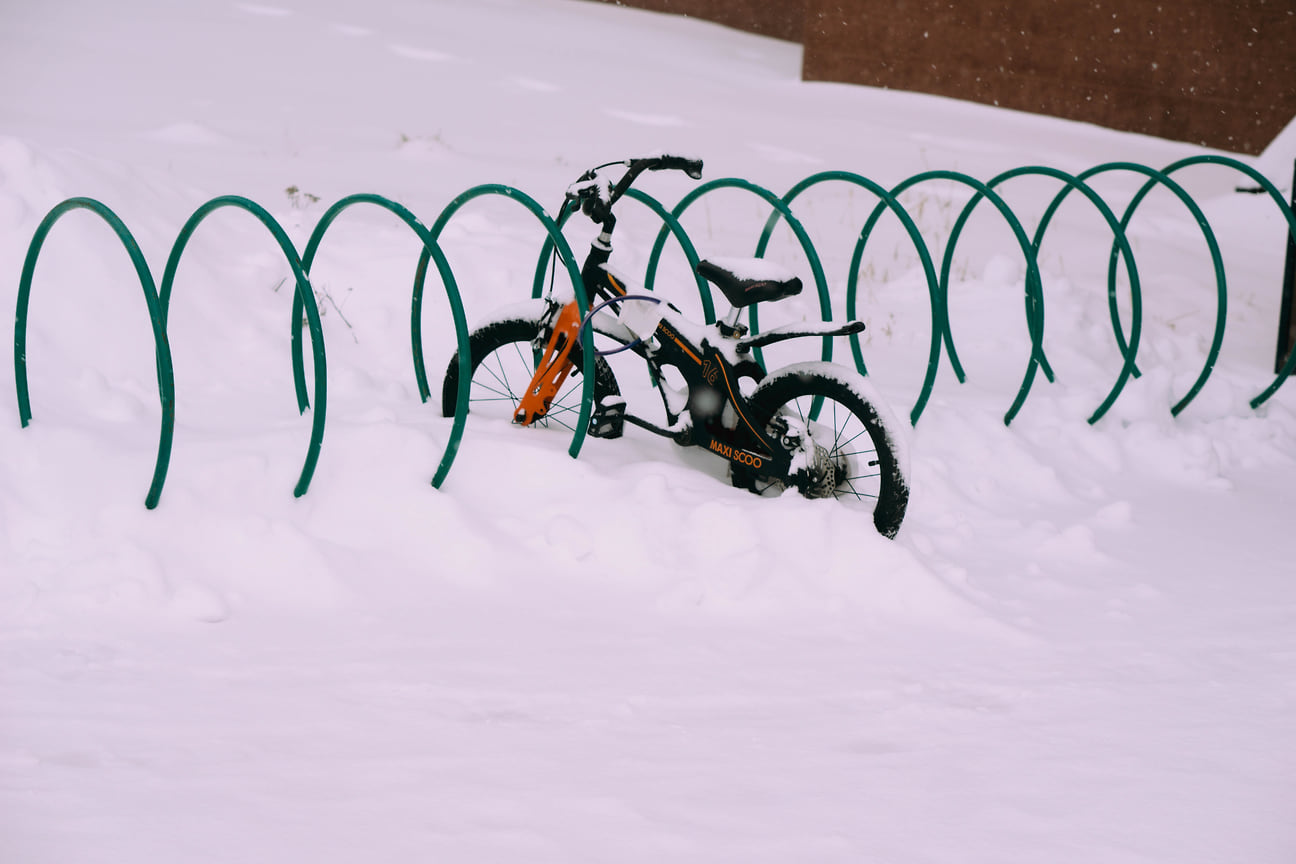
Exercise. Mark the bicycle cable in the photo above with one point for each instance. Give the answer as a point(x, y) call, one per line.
point(589, 316)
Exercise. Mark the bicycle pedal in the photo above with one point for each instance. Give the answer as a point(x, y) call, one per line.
point(609, 418)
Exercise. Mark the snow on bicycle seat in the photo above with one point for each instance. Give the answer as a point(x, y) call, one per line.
point(745, 281)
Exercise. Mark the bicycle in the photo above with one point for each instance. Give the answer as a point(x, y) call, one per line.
point(816, 427)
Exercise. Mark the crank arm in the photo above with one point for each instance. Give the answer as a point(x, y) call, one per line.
point(796, 331)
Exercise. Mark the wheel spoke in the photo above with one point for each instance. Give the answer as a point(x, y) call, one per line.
point(856, 486)
point(850, 434)
point(850, 489)
point(494, 366)
point(544, 422)
point(486, 393)
point(505, 365)
point(863, 476)
point(497, 384)
point(527, 362)
point(499, 397)
point(872, 449)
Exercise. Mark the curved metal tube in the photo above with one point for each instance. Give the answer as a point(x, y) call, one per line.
point(157, 297)
point(555, 236)
point(157, 318)
point(452, 293)
point(816, 267)
point(1034, 291)
point(569, 207)
point(940, 324)
point(303, 293)
point(1128, 352)
point(1286, 210)
point(1162, 179)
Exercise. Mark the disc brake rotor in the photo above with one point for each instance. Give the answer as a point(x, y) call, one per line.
point(813, 471)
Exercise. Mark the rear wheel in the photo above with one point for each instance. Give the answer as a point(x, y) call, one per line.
point(503, 363)
point(851, 451)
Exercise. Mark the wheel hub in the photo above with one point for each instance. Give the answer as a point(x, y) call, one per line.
point(813, 471)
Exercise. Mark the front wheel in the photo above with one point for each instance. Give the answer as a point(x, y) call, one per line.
point(503, 362)
point(851, 450)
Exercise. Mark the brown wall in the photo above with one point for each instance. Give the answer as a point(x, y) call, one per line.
point(1216, 72)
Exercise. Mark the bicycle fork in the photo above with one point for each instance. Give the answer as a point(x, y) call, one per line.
point(553, 368)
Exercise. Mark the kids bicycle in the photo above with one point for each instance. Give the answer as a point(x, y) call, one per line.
point(815, 427)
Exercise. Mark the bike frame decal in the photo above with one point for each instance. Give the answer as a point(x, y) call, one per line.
point(679, 341)
point(737, 405)
point(735, 454)
point(709, 369)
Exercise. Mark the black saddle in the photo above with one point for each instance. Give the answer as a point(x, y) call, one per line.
point(743, 289)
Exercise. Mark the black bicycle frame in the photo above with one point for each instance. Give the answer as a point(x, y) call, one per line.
point(711, 380)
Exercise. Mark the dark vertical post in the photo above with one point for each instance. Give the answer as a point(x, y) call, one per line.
point(1286, 318)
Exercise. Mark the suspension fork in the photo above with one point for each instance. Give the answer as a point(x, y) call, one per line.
point(555, 363)
point(552, 370)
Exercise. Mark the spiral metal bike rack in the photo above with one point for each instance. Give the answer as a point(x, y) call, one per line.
point(157, 296)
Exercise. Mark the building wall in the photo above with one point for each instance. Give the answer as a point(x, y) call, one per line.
point(1221, 73)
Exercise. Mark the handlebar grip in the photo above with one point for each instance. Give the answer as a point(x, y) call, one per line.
point(691, 167)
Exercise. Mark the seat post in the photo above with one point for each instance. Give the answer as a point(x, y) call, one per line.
point(730, 325)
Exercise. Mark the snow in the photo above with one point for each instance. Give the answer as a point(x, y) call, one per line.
point(1078, 649)
point(754, 269)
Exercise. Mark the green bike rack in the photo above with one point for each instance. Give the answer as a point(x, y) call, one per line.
point(1034, 291)
point(1159, 178)
point(1121, 243)
point(686, 244)
point(431, 246)
point(555, 236)
point(939, 324)
point(569, 207)
point(304, 294)
point(816, 267)
point(158, 296)
point(157, 318)
point(1217, 339)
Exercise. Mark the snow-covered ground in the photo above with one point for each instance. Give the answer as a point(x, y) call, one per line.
point(1080, 648)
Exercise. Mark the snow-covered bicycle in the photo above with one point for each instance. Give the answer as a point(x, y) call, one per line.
point(815, 427)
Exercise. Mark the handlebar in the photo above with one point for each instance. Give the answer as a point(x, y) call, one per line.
point(691, 167)
point(597, 196)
